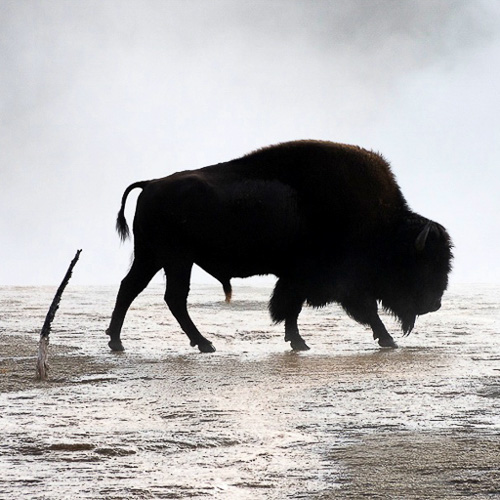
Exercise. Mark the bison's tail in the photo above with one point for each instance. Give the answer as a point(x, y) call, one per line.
point(121, 223)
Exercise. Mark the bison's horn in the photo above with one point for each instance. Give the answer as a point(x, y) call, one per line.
point(422, 237)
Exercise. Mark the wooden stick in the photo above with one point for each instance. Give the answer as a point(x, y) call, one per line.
point(42, 367)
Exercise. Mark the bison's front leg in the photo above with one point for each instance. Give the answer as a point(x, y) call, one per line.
point(292, 335)
point(380, 332)
point(286, 304)
point(364, 311)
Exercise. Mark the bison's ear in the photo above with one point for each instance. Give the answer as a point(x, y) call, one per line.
point(422, 237)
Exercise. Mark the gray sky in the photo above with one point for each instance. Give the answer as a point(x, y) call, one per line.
point(97, 94)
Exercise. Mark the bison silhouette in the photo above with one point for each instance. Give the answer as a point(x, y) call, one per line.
point(328, 220)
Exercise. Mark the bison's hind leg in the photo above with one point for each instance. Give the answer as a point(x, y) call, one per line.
point(229, 295)
point(228, 290)
point(285, 305)
point(142, 271)
point(178, 275)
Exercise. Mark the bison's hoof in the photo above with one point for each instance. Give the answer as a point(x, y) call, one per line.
point(206, 347)
point(299, 345)
point(116, 345)
point(387, 342)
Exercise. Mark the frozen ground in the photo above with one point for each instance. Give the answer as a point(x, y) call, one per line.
point(253, 420)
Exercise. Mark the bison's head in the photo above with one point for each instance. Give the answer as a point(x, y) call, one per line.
point(420, 264)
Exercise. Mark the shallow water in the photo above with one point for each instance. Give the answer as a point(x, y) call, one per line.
point(253, 420)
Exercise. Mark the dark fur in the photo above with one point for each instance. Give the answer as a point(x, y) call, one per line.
point(329, 220)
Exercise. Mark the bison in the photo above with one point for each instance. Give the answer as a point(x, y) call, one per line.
point(328, 220)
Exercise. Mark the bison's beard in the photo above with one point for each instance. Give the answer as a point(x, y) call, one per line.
point(407, 323)
point(404, 315)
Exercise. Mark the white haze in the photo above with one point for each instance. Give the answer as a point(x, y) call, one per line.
point(97, 94)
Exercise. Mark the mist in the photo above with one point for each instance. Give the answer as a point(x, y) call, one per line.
point(95, 95)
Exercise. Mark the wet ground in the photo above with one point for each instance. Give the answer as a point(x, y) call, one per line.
point(253, 420)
